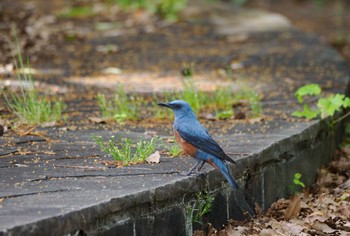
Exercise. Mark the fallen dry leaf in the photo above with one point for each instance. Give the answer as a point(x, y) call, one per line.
point(118, 164)
point(25, 131)
point(240, 116)
point(315, 216)
point(323, 227)
point(100, 120)
point(292, 227)
point(198, 233)
point(208, 116)
point(170, 140)
point(153, 158)
point(235, 231)
point(255, 120)
point(112, 71)
point(293, 208)
point(268, 232)
point(48, 124)
point(323, 211)
point(259, 211)
point(69, 128)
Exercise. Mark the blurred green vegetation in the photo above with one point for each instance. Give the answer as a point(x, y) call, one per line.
point(166, 9)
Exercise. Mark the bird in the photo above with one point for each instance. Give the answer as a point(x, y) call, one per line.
point(196, 141)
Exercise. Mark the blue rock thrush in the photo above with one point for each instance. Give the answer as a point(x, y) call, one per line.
point(197, 142)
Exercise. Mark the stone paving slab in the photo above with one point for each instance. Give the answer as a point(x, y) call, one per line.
point(44, 187)
point(57, 185)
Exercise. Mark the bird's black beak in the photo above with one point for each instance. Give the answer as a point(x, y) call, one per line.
point(164, 104)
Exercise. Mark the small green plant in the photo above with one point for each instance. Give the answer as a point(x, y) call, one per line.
point(122, 107)
point(197, 209)
point(190, 93)
point(222, 115)
point(193, 96)
point(77, 12)
point(125, 151)
point(187, 69)
point(30, 107)
point(175, 150)
point(326, 106)
point(170, 9)
point(222, 102)
point(297, 183)
point(203, 206)
point(319, 3)
point(255, 104)
point(167, 9)
point(223, 98)
point(252, 98)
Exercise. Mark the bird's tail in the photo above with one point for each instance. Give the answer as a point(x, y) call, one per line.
point(238, 194)
point(222, 167)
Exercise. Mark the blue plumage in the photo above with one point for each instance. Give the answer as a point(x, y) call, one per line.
point(197, 142)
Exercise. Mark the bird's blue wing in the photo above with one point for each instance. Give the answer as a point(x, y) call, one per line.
point(198, 136)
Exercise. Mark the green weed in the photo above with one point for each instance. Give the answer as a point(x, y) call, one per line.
point(203, 206)
point(297, 183)
point(170, 9)
point(252, 98)
point(126, 151)
point(30, 107)
point(175, 150)
point(197, 99)
point(122, 107)
point(255, 104)
point(223, 100)
point(326, 106)
point(167, 9)
point(187, 69)
point(197, 209)
point(77, 12)
point(225, 114)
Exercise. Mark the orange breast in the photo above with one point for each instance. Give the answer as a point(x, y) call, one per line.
point(210, 161)
point(187, 147)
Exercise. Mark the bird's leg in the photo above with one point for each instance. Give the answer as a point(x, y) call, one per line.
point(194, 167)
point(201, 165)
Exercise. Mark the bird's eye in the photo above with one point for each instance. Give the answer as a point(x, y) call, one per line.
point(178, 106)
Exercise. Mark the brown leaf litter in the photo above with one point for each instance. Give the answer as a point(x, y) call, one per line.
point(323, 209)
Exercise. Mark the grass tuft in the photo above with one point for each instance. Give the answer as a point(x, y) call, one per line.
point(175, 150)
point(30, 107)
point(125, 151)
point(223, 100)
point(197, 99)
point(252, 98)
point(122, 107)
point(166, 9)
point(197, 209)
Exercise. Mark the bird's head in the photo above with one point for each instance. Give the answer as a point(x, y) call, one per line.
point(179, 107)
